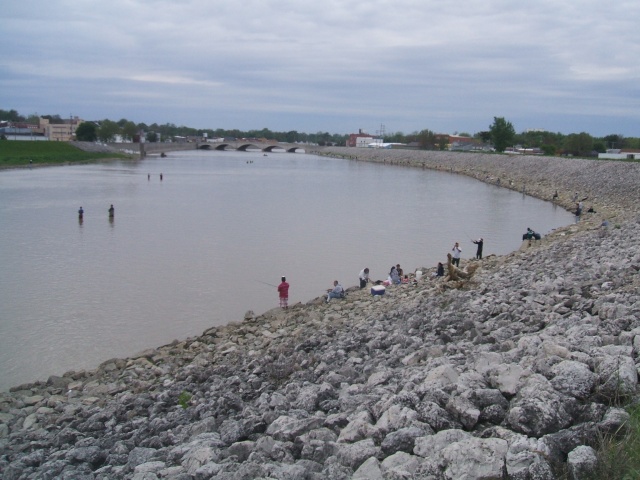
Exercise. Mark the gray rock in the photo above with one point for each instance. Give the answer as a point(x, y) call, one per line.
point(93, 455)
point(402, 440)
point(538, 409)
point(369, 470)
point(287, 428)
point(352, 455)
point(582, 462)
point(475, 458)
point(573, 378)
point(400, 465)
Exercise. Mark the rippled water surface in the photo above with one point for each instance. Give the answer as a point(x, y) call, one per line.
point(200, 247)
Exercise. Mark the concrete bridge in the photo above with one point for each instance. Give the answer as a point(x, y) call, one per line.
point(159, 148)
point(243, 146)
point(238, 145)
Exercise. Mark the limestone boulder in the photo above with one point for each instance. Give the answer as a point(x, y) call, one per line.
point(573, 378)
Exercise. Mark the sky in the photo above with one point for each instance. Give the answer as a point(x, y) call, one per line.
point(331, 66)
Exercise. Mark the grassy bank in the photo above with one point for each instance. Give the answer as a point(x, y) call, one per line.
point(14, 154)
point(619, 452)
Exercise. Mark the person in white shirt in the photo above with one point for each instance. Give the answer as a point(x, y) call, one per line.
point(457, 251)
point(364, 277)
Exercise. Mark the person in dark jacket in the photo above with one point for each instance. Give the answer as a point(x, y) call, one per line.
point(480, 243)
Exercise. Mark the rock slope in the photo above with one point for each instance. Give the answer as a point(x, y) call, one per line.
point(513, 373)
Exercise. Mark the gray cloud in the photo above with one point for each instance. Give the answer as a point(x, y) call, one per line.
point(328, 66)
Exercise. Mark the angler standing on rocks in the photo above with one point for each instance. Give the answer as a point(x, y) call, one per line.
point(480, 243)
point(457, 251)
point(283, 293)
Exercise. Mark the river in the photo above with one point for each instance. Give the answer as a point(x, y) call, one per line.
point(210, 241)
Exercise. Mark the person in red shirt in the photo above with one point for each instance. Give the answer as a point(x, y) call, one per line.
point(283, 291)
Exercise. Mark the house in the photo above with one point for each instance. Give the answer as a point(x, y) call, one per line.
point(361, 139)
point(620, 154)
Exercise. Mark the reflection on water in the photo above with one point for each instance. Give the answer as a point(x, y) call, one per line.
point(200, 237)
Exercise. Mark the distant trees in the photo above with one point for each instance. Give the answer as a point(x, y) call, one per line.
point(579, 144)
point(427, 140)
point(129, 130)
point(87, 132)
point(108, 130)
point(502, 133)
point(614, 141)
point(10, 116)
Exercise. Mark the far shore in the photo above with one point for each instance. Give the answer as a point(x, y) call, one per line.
point(612, 188)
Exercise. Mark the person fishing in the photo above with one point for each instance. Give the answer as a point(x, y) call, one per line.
point(112, 211)
point(364, 277)
point(457, 251)
point(479, 243)
point(283, 293)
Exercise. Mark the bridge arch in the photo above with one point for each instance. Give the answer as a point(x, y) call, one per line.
point(245, 146)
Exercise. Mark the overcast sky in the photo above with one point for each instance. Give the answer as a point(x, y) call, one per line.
point(333, 66)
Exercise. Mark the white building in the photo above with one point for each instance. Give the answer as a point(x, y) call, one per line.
point(617, 154)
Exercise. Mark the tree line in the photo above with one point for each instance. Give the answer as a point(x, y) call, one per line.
point(500, 135)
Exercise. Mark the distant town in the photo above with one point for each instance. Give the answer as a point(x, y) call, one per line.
point(500, 137)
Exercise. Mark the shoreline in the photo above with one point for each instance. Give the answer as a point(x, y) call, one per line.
point(611, 187)
point(514, 360)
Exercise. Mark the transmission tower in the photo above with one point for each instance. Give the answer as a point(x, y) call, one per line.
point(382, 132)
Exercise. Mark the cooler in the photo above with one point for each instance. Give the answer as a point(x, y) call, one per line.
point(378, 290)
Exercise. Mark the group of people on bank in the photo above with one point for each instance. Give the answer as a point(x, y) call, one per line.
point(396, 276)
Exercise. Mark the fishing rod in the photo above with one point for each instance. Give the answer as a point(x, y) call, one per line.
point(270, 284)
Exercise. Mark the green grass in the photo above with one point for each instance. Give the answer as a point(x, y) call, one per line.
point(619, 454)
point(16, 153)
point(184, 398)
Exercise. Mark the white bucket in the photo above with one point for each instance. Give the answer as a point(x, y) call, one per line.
point(418, 274)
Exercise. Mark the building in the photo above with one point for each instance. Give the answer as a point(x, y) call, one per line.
point(60, 132)
point(458, 143)
point(20, 131)
point(361, 139)
point(620, 154)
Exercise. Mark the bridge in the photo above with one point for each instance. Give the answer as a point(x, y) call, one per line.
point(237, 145)
point(244, 146)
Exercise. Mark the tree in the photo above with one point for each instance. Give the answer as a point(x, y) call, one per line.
point(292, 136)
point(33, 119)
point(548, 149)
point(87, 132)
point(11, 116)
point(614, 141)
point(108, 130)
point(129, 130)
point(580, 144)
point(502, 134)
point(484, 136)
point(427, 139)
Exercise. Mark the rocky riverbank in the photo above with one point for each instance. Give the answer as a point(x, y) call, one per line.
point(512, 373)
